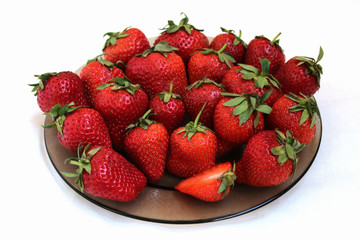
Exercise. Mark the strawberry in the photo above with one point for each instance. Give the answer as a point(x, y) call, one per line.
point(269, 159)
point(185, 37)
point(235, 45)
point(248, 79)
point(79, 125)
point(192, 149)
point(121, 104)
point(296, 114)
point(156, 68)
point(146, 143)
point(204, 90)
point(58, 88)
point(261, 47)
point(168, 109)
point(301, 75)
point(210, 64)
point(96, 72)
point(104, 173)
point(238, 117)
point(120, 47)
point(224, 147)
point(211, 185)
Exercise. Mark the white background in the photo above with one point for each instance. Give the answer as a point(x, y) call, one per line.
point(47, 36)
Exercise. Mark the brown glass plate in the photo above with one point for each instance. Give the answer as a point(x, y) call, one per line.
point(162, 203)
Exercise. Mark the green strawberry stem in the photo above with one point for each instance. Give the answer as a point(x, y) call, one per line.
point(58, 115)
point(224, 57)
point(166, 96)
point(288, 149)
point(205, 80)
point(113, 37)
point(193, 127)
point(313, 66)
point(171, 27)
point(120, 84)
point(261, 79)
point(246, 104)
point(104, 62)
point(227, 180)
point(143, 122)
point(275, 39)
point(83, 162)
point(43, 78)
point(308, 107)
point(237, 38)
point(161, 47)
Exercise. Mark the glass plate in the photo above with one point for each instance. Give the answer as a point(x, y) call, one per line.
point(162, 203)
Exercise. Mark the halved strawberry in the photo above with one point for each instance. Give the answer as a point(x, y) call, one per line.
point(210, 185)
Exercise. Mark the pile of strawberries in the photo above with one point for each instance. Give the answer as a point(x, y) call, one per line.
point(137, 111)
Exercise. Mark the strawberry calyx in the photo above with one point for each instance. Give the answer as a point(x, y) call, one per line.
point(120, 84)
point(58, 115)
point(246, 104)
point(43, 78)
point(261, 78)
point(99, 59)
point(313, 66)
point(161, 47)
point(171, 27)
point(227, 181)
point(83, 162)
point(143, 122)
point(308, 106)
point(288, 149)
point(237, 38)
point(274, 42)
point(113, 37)
point(205, 80)
point(167, 96)
point(224, 57)
point(193, 127)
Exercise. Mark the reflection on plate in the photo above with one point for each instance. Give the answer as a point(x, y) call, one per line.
point(161, 203)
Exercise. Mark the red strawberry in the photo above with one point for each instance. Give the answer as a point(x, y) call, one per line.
point(210, 64)
point(97, 72)
point(146, 144)
point(156, 69)
point(269, 159)
point(105, 173)
point(224, 147)
point(168, 109)
point(58, 88)
point(235, 45)
point(301, 75)
point(296, 114)
point(185, 37)
point(238, 117)
point(121, 104)
point(204, 90)
point(248, 79)
point(210, 185)
point(79, 125)
point(192, 149)
point(261, 47)
point(122, 46)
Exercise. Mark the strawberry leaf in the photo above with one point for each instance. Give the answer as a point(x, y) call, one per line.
point(308, 107)
point(171, 27)
point(245, 104)
point(287, 149)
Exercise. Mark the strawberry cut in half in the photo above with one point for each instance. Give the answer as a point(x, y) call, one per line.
point(211, 185)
